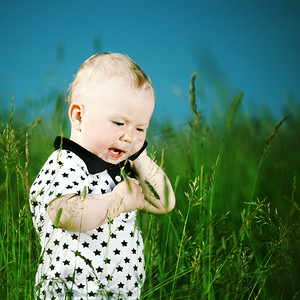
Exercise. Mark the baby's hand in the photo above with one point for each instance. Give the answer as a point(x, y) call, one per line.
point(131, 194)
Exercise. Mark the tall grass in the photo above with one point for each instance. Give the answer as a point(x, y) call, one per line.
point(234, 233)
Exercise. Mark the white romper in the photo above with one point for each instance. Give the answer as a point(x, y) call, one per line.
point(104, 263)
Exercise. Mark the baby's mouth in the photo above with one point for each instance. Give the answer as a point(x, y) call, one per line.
point(115, 153)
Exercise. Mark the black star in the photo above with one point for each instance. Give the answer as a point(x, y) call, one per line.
point(72, 169)
point(66, 262)
point(121, 228)
point(60, 163)
point(56, 242)
point(90, 190)
point(135, 268)
point(81, 286)
point(97, 252)
point(127, 260)
point(69, 278)
point(57, 258)
point(99, 270)
point(65, 246)
point(104, 244)
point(103, 191)
point(109, 277)
point(65, 175)
point(126, 216)
point(94, 182)
point(82, 178)
point(124, 243)
point(133, 251)
point(138, 242)
point(57, 274)
point(94, 236)
point(117, 251)
point(74, 236)
point(75, 183)
point(120, 285)
point(128, 277)
point(131, 234)
point(79, 270)
point(106, 182)
point(51, 193)
point(129, 293)
point(56, 184)
point(50, 161)
point(107, 260)
point(110, 294)
point(48, 182)
point(52, 267)
point(53, 172)
point(85, 245)
point(140, 259)
point(136, 284)
point(113, 235)
point(47, 171)
point(68, 187)
point(58, 290)
point(49, 251)
point(119, 269)
point(90, 278)
point(91, 294)
point(100, 229)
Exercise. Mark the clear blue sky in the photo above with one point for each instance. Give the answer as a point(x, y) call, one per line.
point(236, 45)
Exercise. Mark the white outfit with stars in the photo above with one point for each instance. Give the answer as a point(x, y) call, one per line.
point(104, 263)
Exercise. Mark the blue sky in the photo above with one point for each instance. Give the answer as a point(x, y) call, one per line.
point(236, 45)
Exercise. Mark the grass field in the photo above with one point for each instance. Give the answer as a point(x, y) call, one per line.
point(234, 233)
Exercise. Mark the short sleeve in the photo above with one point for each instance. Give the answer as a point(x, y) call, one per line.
point(63, 173)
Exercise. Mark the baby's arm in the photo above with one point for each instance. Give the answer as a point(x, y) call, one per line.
point(157, 189)
point(77, 213)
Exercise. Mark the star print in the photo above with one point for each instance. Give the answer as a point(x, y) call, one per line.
point(75, 183)
point(99, 270)
point(100, 229)
point(94, 236)
point(56, 184)
point(128, 277)
point(113, 236)
point(74, 236)
point(65, 246)
point(119, 269)
point(135, 267)
point(66, 262)
point(53, 172)
point(65, 175)
point(58, 290)
point(56, 242)
point(133, 251)
point(52, 267)
point(121, 228)
point(107, 261)
point(104, 244)
point(57, 274)
point(94, 182)
point(124, 243)
point(127, 260)
point(85, 245)
point(69, 278)
point(90, 278)
point(91, 294)
point(97, 252)
point(129, 293)
point(68, 187)
point(79, 270)
point(72, 169)
point(109, 277)
point(49, 251)
point(48, 182)
point(50, 161)
point(117, 252)
point(81, 286)
point(120, 285)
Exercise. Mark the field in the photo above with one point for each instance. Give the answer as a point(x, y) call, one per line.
point(234, 233)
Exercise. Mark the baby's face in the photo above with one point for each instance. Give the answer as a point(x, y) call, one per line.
point(115, 120)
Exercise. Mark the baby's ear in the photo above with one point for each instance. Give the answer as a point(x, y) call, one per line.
point(76, 111)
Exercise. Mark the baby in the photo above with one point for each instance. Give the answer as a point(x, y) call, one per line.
point(85, 199)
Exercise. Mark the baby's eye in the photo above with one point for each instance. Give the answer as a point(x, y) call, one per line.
point(118, 123)
point(140, 129)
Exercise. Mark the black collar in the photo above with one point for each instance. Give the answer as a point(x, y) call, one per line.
point(94, 163)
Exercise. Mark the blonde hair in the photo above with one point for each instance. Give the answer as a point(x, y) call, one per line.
point(104, 66)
